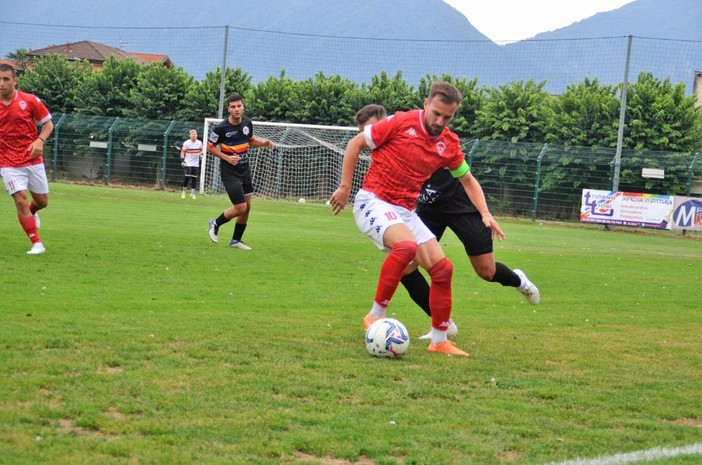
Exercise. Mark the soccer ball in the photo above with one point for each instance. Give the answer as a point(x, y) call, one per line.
point(387, 337)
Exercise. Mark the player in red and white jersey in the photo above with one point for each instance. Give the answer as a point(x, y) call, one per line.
point(21, 153)
point(405, 150)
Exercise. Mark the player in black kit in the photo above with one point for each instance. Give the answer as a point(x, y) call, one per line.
point(230, 141)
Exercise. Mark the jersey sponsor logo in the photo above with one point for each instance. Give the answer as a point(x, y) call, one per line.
point(232, 133)
point(440, 147)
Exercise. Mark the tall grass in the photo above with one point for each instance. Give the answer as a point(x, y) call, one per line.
point(135, 340)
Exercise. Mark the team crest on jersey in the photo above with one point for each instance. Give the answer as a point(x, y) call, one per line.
point(22, 105)
point(411, 132)
point(246, 130)
point(440, 147)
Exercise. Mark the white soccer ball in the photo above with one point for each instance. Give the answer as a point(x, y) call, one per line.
point(387, 337)
point(301, 200)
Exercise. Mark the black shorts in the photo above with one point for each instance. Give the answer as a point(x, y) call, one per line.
point(468, 227)
point(192, 171)
point(237, 187)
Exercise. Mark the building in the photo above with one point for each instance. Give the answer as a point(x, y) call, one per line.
point(97, 53)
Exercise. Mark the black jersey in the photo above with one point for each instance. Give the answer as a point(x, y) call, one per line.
point(443, 194)
point(234, 140)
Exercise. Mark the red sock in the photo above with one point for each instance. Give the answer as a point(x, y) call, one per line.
point(30, 228)
point(391, 271)
point(440, 293)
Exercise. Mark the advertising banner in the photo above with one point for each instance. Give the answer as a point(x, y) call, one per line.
point(687, 214)
point(626, 209)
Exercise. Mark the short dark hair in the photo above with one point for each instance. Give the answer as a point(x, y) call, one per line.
point(233, 98)
point(5, 67)
point(369, 111)
point(446, 92)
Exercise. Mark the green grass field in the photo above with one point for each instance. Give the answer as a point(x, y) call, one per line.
point(135, 340)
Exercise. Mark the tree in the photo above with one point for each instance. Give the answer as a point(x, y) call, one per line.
point(202, 98)
point(57, 81)
point(516, 112)
point(106, 91)
point(20, 57)
point(325, 100)
point(587, 114)
point(660, 116)
point(274, 99)
point(159, 92)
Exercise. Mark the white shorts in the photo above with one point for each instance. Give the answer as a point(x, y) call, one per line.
point(373, 216)
point(31, 178)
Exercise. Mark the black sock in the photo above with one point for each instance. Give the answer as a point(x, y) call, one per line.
point(418, 289)
point(221, 220)
point(505, 276)
point(239, 229)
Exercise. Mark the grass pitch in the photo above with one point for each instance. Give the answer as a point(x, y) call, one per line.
point(135, 340)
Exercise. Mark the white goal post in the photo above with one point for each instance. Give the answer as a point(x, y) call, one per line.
point(305, 164)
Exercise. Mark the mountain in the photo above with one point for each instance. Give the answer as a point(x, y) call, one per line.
point(358, 39)
point(669, 19)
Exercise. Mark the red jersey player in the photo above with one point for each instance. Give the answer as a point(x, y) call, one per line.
point(405, 150)
point(21, 149)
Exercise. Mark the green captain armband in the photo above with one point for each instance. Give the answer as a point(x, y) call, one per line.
point(461, 170)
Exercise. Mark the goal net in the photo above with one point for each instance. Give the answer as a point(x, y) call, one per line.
point(305, 164)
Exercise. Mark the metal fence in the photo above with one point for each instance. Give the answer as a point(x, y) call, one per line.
point(519, 179)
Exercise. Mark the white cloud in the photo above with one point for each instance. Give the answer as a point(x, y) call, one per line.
point(506, 21)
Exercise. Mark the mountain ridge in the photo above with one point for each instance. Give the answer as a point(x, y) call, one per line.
point(356, 39)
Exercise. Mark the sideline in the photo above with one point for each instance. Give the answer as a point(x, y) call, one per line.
point(639, 456)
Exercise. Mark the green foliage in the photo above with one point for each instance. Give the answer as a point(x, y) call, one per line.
point(56, 81)
point(274, 99)
point(159, 92)
point(107, 91)
point(587, 115)
point(21, 57)
point(661, 117)
point(517, 112)
point(393, 93)
point(325, 100)
point(202, 98)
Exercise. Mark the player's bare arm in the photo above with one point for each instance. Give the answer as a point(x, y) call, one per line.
point(266, 143)
point(37, 147)
point(340, 197)
point(231, 159)
point(477, 196)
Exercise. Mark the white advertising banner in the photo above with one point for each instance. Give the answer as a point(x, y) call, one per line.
point(626, 209)
point(687, 214)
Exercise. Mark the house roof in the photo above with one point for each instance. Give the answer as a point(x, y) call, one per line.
point(153, 58)
point(94, 52)
point(12, 63)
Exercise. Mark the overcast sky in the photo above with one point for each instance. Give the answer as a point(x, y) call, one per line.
point(511, 20)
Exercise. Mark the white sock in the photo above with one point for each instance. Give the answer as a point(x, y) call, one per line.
point(438, 336)
point(378, 311)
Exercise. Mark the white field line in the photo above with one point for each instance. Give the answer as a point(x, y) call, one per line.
point(648, 455)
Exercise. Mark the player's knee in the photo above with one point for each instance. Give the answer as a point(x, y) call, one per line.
point(442, 271)
point(405, 251)
point(485, 272)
